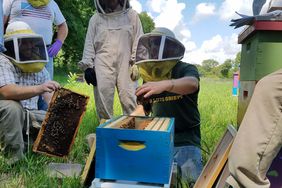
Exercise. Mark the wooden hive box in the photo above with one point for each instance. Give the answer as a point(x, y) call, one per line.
point(60, 126)
point(135, 148)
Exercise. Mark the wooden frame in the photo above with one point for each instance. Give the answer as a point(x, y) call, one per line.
point(218, 159)
point(60, 126)
point(88, 173)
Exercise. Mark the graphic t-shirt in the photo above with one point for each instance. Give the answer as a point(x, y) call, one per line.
point(184, 108)
point(39, 19)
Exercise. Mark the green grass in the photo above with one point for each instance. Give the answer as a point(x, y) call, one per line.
point(217, 106)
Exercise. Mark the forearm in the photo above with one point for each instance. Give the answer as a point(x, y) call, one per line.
point(47, 96)
point(15, 92)
point(183, 86)
point(5, 20)
point(62, 32)
point(139, 111)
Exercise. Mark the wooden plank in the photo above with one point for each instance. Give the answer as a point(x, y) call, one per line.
point(223, 177)
point(114, 123)
point(88, 162)
point(165, 125)
point(151, 125)
point(142, 124)
point(217, 160)
point(87, 174)
point(128, 123)
point(158, 124)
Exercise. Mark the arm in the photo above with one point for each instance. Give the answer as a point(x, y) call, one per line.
point(16, 92)
point(7, 6)
point(138, 31)
point(5, 20)
point(57, 45)
point(62, 32)
point(89, 50)
point(182, 86)
point(139, 111)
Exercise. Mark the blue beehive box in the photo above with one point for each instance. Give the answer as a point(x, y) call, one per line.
point(142, 153)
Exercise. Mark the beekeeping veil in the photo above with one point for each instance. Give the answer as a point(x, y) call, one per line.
point(105, 6)
point(25, 49)
point(157, 53)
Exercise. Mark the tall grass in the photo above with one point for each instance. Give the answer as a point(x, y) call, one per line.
point(217, 107)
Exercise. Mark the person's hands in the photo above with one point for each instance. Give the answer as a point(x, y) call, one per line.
point(49, 86)
point(134, 72)
point(90, 76)
point(55, 48)
point(153, 88)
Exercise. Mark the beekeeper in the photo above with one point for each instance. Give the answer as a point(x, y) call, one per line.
point(109, 50)
point(172, 86)
point(23, 78)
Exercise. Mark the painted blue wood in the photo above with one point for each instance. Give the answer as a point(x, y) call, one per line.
point(151, 164)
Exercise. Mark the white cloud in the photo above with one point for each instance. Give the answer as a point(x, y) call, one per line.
point(169, 12)
point(217, 48)
point(164, 10)
point(186, 33)
point(228, 8)
point(136, 5)
point(155, 6)
point(203, 10)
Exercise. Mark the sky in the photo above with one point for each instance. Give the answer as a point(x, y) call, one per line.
point(201, 25)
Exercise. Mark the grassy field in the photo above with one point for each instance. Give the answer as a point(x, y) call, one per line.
point(217, 106)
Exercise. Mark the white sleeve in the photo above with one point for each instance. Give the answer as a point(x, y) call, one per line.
point(138, 31)
point(7, 6)
point(89, 50)
point(58, 16)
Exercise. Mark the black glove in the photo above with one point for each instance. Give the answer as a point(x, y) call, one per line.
point(145, 102)
point(90, 76)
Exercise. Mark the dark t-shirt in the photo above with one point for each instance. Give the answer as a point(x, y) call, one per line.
point(184, 108)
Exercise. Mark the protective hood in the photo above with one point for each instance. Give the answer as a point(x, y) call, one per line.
point(109, 7)
point(38, 3)
point(156, 47)
point(157, 53)
point(25, 49)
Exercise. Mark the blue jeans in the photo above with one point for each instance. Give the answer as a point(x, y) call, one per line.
point(42, 105)
point(189, 161)
point(50, 67)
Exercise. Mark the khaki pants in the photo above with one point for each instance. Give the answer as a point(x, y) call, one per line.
point(259, 138)
point(13, 123)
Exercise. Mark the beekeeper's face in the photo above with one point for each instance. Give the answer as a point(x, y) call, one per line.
point(109, 4)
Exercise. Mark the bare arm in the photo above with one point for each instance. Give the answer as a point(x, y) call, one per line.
point(62, 31)
point(47, 96)
point(16, 92)
point(5, 20)
point(139, 111)
point(182, 86)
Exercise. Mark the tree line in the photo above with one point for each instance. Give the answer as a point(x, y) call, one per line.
point(212, 68)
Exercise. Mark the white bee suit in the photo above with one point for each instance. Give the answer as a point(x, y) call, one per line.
point(110, 44)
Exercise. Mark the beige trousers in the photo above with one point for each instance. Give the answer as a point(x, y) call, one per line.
point(259, 138)
point(13, 124)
